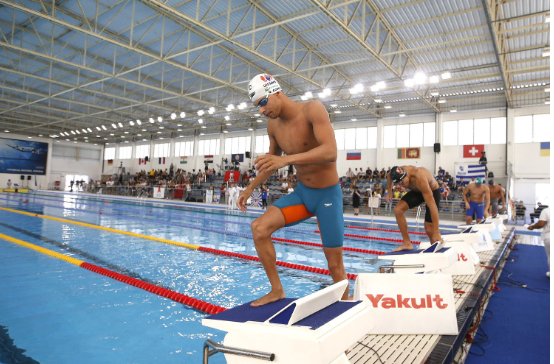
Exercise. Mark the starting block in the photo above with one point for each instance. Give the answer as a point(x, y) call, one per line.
point(489, 227)
point(499, 221)
point(316, 329)
point(430, 260)
point(480, 240)
point(467, 257)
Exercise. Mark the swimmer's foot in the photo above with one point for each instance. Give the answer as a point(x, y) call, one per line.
point(274, 295)
point(404, 246)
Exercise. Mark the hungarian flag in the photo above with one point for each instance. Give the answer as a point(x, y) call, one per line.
point(473, 151)
point(409, 153)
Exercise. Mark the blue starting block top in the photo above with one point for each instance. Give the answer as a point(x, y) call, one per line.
point(245, 312)
point(415, 251)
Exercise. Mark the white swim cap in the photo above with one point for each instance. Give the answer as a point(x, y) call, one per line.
point(262, 85)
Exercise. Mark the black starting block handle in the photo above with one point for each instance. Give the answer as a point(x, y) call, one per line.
point(211, 348)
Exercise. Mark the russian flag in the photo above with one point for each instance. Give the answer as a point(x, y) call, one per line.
point(354, 155)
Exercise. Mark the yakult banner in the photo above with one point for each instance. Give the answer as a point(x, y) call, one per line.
point(409, 304)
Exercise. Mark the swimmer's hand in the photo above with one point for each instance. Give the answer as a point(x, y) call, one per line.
point(241, 203)
point(438, 238)
point(269, 162)
point(467, 205)
point(388, 199)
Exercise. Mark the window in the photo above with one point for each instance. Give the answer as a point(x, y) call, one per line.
point(184, 149)
point(350, 139)
point(481, 131)
point(402, 136)
point(109, 153)
point(208, 147)
point(498, 131)
point(339, 137)
point(450, 133)
point(523, 129)
point(125, 152)
point(541, 128)
point(262, 144)
point(361, 138)
point(237, 145)
point(416, 135)
point(371, 138)
point(142, 151)
point(465, 132)
point(161, 150)
point(389, 136)
point(428, 134)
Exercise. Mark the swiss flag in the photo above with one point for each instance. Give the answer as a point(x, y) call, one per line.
point(473, 151)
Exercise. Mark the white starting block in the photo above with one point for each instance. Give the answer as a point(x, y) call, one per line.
point(430, 260)
point(409, 304)
point(467, 257)
point(490, 227)
point(480, 240)
point(316, 329)
point(499, 221)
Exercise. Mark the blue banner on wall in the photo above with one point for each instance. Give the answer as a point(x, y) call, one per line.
point(23, 157)
point(237, 158)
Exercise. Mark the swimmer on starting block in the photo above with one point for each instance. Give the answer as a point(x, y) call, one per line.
point(423, 188)
point(304, 132)
point(496, 194)
point(478, 201)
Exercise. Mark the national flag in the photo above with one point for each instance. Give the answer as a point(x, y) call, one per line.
point(473, 151)
point(468, 171)
point(208, 158)
point(183, 160)
point(237, 158)
point(159, 160)
point(110, 162)
point(354, 155)
point(409, 153)
point(140, 161)
point(545, 149)
point(163, 160)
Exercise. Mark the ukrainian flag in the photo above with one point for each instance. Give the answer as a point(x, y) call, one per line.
point(545, 149)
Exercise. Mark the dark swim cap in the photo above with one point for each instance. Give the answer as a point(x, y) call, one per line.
point(397, 174)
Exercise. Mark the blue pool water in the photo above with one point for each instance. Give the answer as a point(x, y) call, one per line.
point(54, 312)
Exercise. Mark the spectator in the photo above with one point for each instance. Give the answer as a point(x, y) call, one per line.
point(223, 189)
point(367, 198)
point(290, 190)
point(356, 200)
point(9, 183)
point(368, 174)
point(349, 174)
point(377, 200)
point(265, 193)
point(383, 174)
point(440, 173)
point(284, 187)
point(376, 175)
point(544, 223)
point(483, 161)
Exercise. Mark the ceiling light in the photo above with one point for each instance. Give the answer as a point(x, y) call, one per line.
point(30, 137)
point(179, 129)
point(381, 85)
point(547, 89)
point(547, 18)
point(6, 131)
point(182, 114)
point(85, 137)
point(327, 91)
point(114, 126)
point(103, 127)
point(131, 122)
point(98, 128)
point(139, 122)
point(259, 121)
point(160, 119)
point(151, 120)
point(353, 119)
point(112, 134)
point(250, 129)
point(402, 114)
point(333, 105)
point(98, 136)
point(161, 127)
point(441, 101)
point(126, 132)
point(90, 131)
point(230, 106)
point(453, 109)
point(225, 131)
point(143, 129)
point(434, 93)
point(309, 95)
point(66, 133)
point(303, 98)
point(378, 100)
point(547, 101)
point(374, 88)
point(200, 121)
point(203, 127)
point(337, 111)
point(120, 125)
point(211, 110)
point(420, 78)
point(388, 106)
point(201, 133)
point(546, 52)
point(446, 75)
point(159, 132)
point(72, 132)
point(228, 124)
point(321, 95)
point(434, 79)
point(228, 118)
point(200, 112)
point(409, 82)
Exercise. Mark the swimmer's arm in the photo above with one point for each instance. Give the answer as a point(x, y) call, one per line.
point(327, 150)
point(423, 186)
point(487, 198)
point(274, 149)
point(464, 194)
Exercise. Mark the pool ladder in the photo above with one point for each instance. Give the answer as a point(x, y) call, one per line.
point(211, 348)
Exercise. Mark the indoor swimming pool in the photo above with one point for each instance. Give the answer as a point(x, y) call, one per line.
point(52, 311)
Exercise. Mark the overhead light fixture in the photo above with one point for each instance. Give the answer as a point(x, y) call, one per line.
point(66, 133)
point(103, 127)
point(441, 101)
point(309, 95)
point(159, 132)
point(259, 121)
point(420, 78)
point(200, 112)
point(353, 119)
point(151, 120)
point(98, 128)
point(242, 105)
point(72, 132)
point(230, 106)
point(200, 121)
point(388, 106)
point(161, 127)
point(228, 124)
point(173, 116)
point(182, 114)
point(211, 110)
point(381, 85)
point(434, 93)
point(547, 89)
point(112, 134)
point(333, 105)
point(126, 132)
point(446, 75)
point(547, 18)
point(337, 111)
point(90, 131)
point(114, 126)
point(402, 114)
point(160, 119)
point(303, 98)
point(378, 100)
point(6, 131)
point(453, 109)
point(120, 125)
point(546, 52)
point(321, 95)
point(139, 122)
point(225, 131)
point(409, 82)
point(250, 129)
point(203, 127)
point(131, 123)
point(434, 79)
point(356, 89)
point(201, 133)
point(327, 91)
point(547, 101)
point(228, 118)
point(374, 88)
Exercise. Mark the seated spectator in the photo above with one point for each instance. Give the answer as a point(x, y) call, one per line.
point(376, 175)
point(383, 173)
point(440, 173)
point(290, 190)
point(349, 174)
point(284, 187)
point(367, 174)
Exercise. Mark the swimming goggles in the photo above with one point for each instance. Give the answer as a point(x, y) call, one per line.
point(263, 102)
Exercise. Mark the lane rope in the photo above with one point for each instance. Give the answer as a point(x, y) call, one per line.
point(160, 291)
